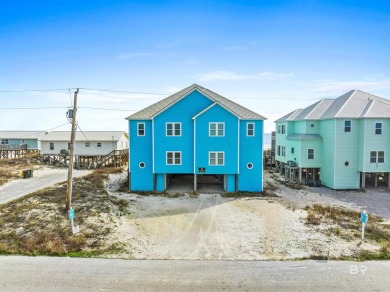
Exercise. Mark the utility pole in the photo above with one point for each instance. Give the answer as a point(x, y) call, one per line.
point(71, 151)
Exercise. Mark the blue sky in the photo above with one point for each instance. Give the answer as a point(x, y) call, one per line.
point(270, 56)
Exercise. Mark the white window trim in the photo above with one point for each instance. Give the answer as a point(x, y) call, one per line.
point(173, 157)
point(173, 129)
point(139, 164)
point(216, 158)
point(377, 156)
point(314, 153)
point(216, 129)
point(247, 129)
point(247, 165)
point(138, 124)
point(381, 128)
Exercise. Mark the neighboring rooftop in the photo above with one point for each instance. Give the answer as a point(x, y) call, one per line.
point(21, 134)
point(156, 108)
point(354, 104)
point(83, 136)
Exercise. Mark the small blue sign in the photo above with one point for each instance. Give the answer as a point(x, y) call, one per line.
point(364, 217)
point(71, 213)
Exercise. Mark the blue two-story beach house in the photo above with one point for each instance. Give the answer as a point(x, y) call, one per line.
point(199, 133)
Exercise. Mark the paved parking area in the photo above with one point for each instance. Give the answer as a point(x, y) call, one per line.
point(373, 200)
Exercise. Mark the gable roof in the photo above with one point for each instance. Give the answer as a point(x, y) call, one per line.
point(353, 104)
point(21, 134)
point(99, 136)
point(157, 108)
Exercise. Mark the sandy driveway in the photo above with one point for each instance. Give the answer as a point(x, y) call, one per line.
point(42, 178)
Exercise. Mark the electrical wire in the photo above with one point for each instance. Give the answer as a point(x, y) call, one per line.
point(107, 109)
point(32, 90)
point(32, 108)
point(123, 91)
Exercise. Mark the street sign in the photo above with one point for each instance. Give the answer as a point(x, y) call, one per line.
point(364, 217)
point(71, 213)
point(364, 220)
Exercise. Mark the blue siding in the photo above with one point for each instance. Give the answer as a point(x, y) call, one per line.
point(31, 143)
point(141, 179)
point(231, 183)
point(227, 144)
point(160, 177)
point(251, 149)
point(183, 111)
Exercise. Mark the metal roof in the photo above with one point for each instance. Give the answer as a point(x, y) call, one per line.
point(21, 134)
point(304, 137)
point(353, 104)
point(157, 108)
point(83, 136)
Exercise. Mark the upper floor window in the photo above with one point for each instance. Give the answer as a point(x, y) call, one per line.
point(216, 129)
point(283, 151)
point(283, 129)
point(216, 158)
point(99, 144)
point(278, 150)
point(173, 158)
point(4, 141)
point(173, 129)
point(310, 153)
point(378, 128)
point(250, 129)
point(278, 129)
point(87, 144)
point(347, 126)
point(377, 156)
point(141, 129)
point(51, 146)
point(22, 141)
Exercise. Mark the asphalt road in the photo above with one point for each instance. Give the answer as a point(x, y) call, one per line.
point(70, 274)
point(42, 179)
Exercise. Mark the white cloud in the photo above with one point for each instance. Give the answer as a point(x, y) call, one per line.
point(232, 76)
point(344, 86)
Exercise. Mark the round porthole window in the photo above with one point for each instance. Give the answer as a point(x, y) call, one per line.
point(346, 163)
point(249, 165)
point(312, 125)
point(142, 164)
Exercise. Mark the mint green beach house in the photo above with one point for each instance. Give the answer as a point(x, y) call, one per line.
point(342, 143)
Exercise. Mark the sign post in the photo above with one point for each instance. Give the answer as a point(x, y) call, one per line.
point(75, 229)
point(364, 220)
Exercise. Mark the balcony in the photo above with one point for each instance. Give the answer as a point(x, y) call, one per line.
point(13, 147)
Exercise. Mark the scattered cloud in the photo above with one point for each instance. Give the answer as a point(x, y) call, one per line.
point(131, 55)
point(341, 86)
point(232, 76)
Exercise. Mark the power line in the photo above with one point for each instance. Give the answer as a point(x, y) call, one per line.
point(39, 132)
point(123, 91)
point(107, 109)
point(32, 90)
point(32, 108)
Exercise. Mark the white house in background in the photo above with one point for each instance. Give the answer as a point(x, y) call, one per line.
point(87, 143)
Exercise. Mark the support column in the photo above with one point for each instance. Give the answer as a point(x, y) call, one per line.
point(300, 175)
point(388, 181)
point(375, 179)
point(195, 182)
point(363, 180)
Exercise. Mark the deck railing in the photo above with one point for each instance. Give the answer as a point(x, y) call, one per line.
point(13, 147)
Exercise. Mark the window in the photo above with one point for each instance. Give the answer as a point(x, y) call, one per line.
point(377, 156)
point(174, 158)
point(249, 165)
point(378, 128)
point(99, 144)
point(283, 129)
point(142, 165)
point(217, 129)
point(141, 129)
point(283, 151)
point(4, 141)
point(250, 129)
point(292, 150)
point(22, 141)
point(347, 126)
point(51, 146)
point(310, 153)
point(278, 129)
point(278, 150)
point(216, 158)
point(68, 146)
point(87, 144)
point(173, 129)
